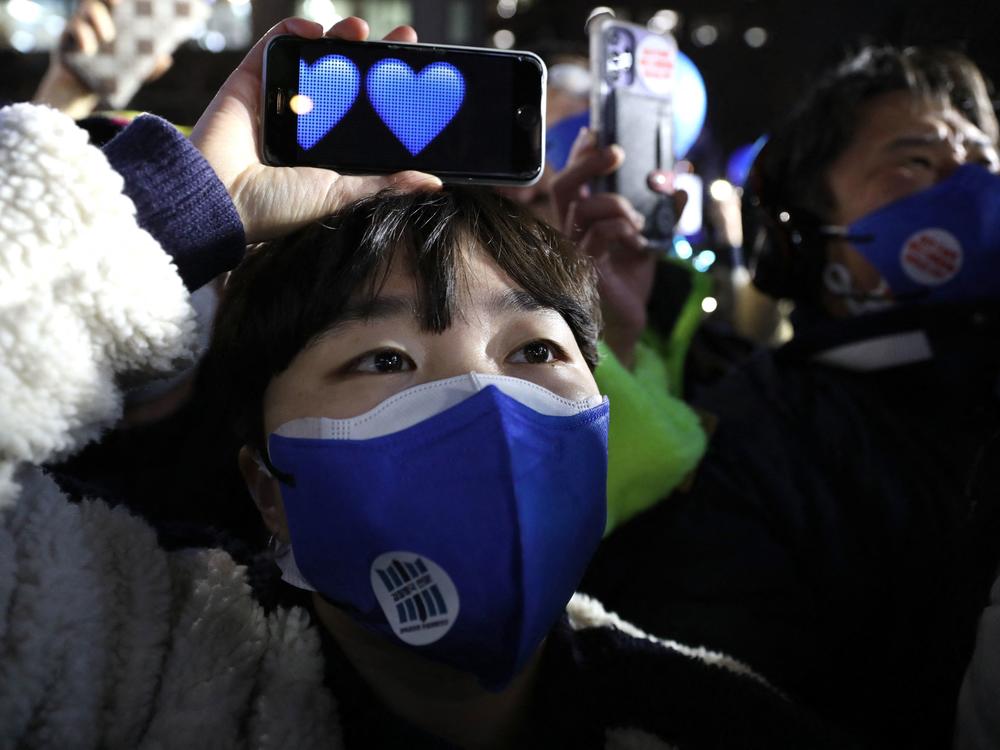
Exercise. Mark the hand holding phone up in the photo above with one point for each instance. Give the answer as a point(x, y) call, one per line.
point(73, 65)
point(608, 228)
point(273, 201)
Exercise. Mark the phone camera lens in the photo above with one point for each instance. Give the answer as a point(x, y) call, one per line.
point(526, 117)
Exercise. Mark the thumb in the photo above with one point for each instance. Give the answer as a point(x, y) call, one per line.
point(346, 189)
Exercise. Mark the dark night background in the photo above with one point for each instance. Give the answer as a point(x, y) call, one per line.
point(748, 89)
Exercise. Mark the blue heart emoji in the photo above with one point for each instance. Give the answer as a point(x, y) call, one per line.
point(331, 84)
point(415, 107)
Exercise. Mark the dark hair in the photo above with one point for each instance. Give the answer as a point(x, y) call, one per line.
point(289, 291)
point(795, 162)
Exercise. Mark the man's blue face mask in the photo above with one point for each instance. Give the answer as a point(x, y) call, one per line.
point(455, 518)
point(939, 245)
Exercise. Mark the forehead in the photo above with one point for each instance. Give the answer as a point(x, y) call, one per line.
point(898, 113)
point(475, 272)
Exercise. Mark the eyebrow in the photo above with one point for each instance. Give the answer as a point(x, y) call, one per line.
point(932, 139)
point(375, 310)
point(388, 307)
point(516, 301)
point(910, 141)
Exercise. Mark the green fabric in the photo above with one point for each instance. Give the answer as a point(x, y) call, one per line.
point(674, 349)
point(654, 440)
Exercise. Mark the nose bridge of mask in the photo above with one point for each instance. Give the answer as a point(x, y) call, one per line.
point(417, 404)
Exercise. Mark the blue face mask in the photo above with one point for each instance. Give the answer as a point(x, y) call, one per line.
point(455, 518)
point(939, 245)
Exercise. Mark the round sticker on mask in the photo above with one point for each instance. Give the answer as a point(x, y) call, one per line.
point(656, 59)
point(932, 257)
point(419, 599)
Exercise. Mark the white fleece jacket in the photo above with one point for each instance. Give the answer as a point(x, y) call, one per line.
point(106, 639)
point(978, 721)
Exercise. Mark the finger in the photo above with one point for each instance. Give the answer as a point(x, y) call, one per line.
point(569, 184)
point(680, 202)
point(83, 35)
point(353, 187)
point(601, 207)
point(660, 181)
point(163, 64)
point(352, 28)
point(98, 15)
point(584, 139)
point(405, 34)
point(253, 63)
point(412, 180)
point(610, 235)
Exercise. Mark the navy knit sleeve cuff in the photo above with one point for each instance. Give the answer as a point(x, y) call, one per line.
point(178, 199)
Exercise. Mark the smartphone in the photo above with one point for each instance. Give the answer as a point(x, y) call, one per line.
point(145, 30)
point(461, 113)
point(631, 104)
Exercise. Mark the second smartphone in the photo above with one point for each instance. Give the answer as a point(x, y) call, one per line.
point(463, 114)
point(632, 105)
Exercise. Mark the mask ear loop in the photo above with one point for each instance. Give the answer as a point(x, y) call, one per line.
point(280, 552)
point(274, 545)
point(262, 466)
point(270, 471)
point(283, 557)
point(834, 231)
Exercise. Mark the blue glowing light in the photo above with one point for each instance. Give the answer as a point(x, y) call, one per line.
point(683, 248)
point(742, 159)
point(690, 105)
point(415, 107)
point(331, 84)
point(704, 260)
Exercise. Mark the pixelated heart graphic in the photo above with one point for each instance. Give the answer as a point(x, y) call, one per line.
point(331, 85)
point(415, 107)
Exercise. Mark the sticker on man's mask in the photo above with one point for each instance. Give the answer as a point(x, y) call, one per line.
point(417, 596)
point(932, 257)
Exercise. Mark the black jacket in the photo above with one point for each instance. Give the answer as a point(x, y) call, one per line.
point(842, 532)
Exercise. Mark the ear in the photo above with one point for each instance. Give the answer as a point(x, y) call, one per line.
point(265, 492)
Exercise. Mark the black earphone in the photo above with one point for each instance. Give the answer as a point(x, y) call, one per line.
point(784, 246)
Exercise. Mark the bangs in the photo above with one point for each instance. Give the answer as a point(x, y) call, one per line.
point(432, 249)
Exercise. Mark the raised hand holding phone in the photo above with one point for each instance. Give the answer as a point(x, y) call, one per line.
point(632, 100)
point(99, 49)
point(608, 228)
point(273, 201)
point(462, 113)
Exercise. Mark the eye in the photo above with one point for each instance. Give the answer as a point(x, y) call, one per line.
point(381, 362)
point(537, 353)
point(919, 161)
point(987, 160)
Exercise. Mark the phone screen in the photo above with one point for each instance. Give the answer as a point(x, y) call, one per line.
point(376, 107)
